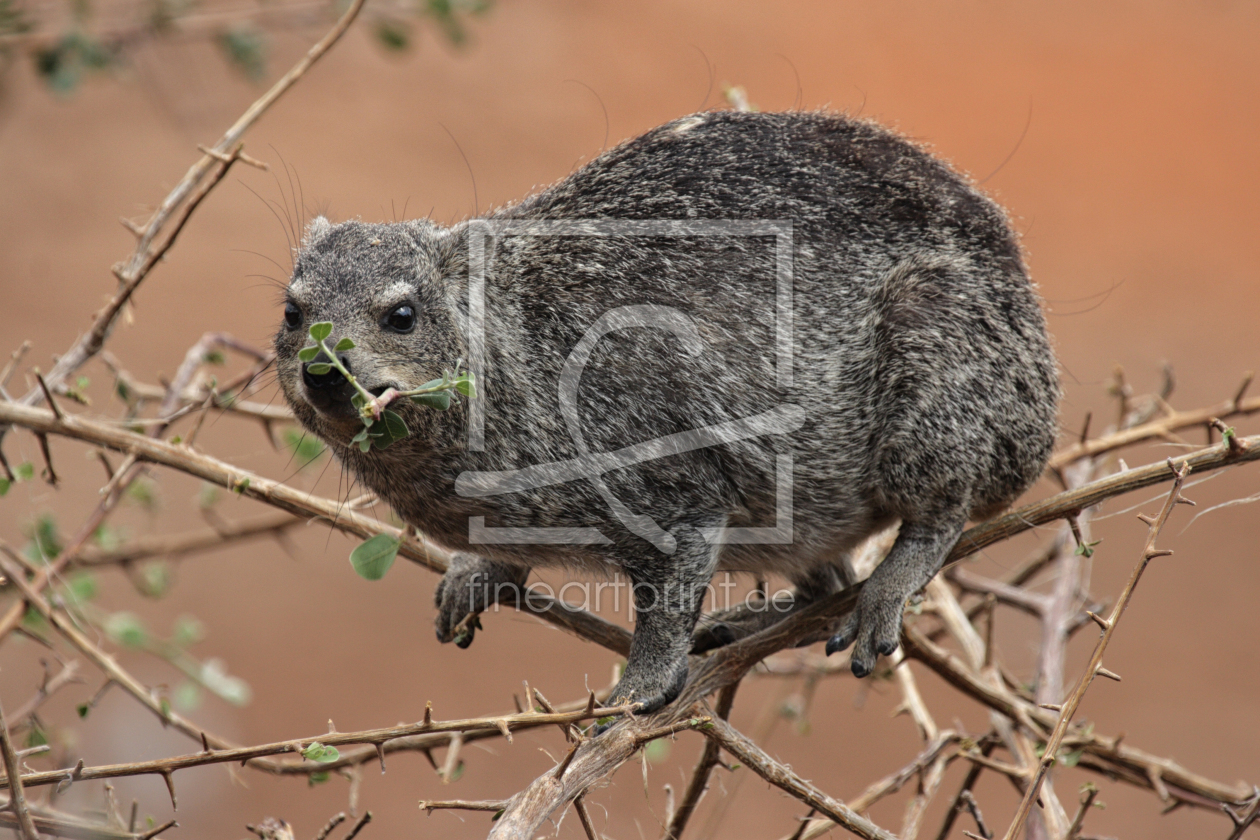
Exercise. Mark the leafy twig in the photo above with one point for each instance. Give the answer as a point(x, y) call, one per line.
point(381, 427)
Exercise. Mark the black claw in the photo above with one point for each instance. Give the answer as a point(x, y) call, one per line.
point(723, 635)
point(860, 668)
point(886, 648)
point(838, 642)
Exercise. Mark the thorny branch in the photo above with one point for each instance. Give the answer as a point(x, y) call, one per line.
point(1095, 667)
point(1019, 720)
point(181, 457)
point(183, 199)
point(17, 795)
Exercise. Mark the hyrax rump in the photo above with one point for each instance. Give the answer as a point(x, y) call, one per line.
point(800, 323)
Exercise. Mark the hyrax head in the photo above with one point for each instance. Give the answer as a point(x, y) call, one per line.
point(386, 287)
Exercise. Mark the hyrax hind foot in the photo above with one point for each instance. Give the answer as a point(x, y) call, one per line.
point(470, 586)
point(874, 627)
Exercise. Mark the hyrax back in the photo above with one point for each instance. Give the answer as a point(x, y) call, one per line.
point(788, 329)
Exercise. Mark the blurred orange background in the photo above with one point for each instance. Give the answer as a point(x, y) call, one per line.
point(1122, 138)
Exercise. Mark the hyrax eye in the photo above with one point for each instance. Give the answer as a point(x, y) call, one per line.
point(402, 319)
point(292, 315)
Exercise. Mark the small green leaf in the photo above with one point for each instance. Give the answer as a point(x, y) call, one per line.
point(33, 620)
point(36, 736)
point(108, 537)
point(344, 344)
point(165, 706)
point(81, 587)
point(240, 486)
point(126, 629)
point(498, 814)
point(45, 539)
point(187, 631)
point(246, 47)
point(187, 696)
point(441, 400)
point(365, 445)
point(306, 448)
point(657, 750)
point(395, 426)
point(394, 35)
point(1071, 759)
point(307, 354)
point(154, 579)
point(319, 368)
point(24, 471)
point(207, 496)
point(214, 357)
point(466, 386)
point(83, 709)
point(373, 557)
point(317, 752)
point(316, 779)
point(1086, 549)
point(4, 485)
point(143, 492)
point(432, 384)
point(321, 330)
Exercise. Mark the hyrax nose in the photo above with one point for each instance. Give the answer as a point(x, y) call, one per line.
point(325, 381)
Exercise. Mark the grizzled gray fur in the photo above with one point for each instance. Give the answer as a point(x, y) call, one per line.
point(921, 369)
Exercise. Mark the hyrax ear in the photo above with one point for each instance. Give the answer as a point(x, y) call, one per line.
point(315, 231)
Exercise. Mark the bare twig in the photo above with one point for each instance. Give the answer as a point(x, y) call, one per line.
point(336, 820)
point(297, 502)
point(13, 780)
point(973, 775)
point(1074, 829)
point(363, 820)
point(187, 194)
point(704, 766)
point(432, 805)
point(178, 545)
point(58, 824)
point(50, 686)
point(438, 731)
point(1155, 429)
point(1073, 701)
point(974, 807)
point(753, 757)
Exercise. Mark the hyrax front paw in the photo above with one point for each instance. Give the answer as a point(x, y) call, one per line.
point(471, 585)
point(875, 626)
point(649, 688)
